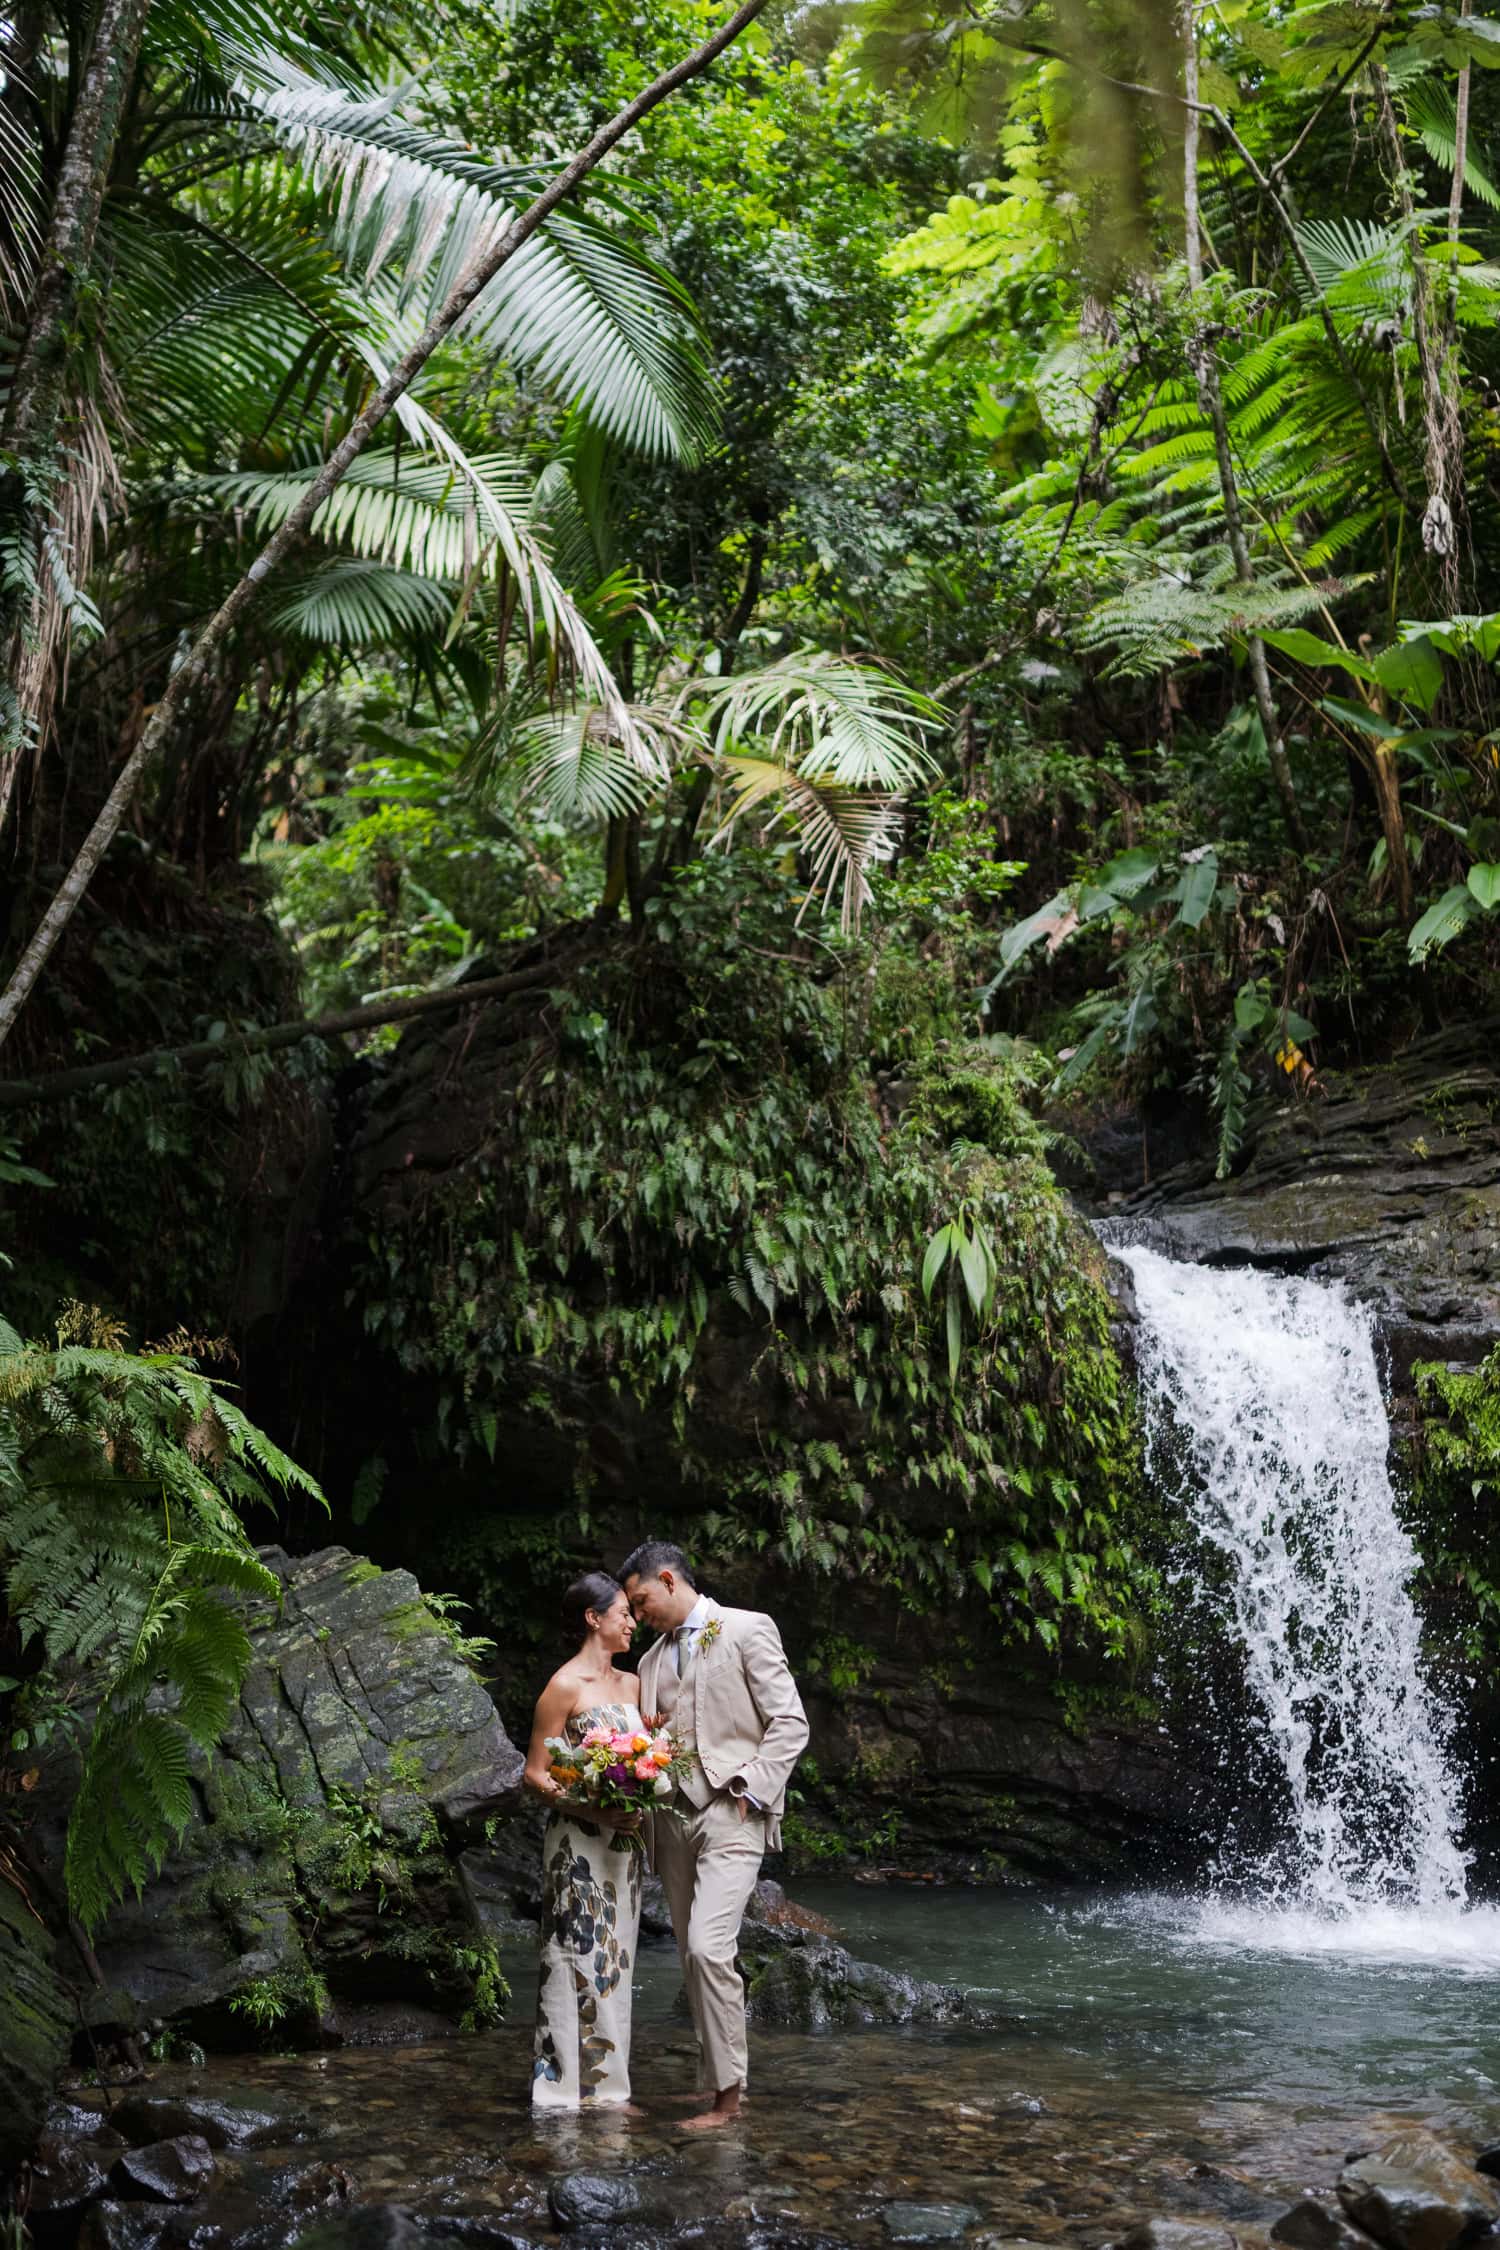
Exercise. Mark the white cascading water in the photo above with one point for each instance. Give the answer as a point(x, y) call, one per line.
point(1264, 1412)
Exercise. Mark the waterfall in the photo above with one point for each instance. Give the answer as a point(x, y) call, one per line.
point(1264, 1417)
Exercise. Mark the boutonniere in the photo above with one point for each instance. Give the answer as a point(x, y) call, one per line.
point(710, 1634)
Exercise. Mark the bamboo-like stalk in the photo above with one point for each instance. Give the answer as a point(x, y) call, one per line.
point(34, 409)
point(1211, 396)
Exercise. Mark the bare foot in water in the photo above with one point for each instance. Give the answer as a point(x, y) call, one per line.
point(725, 2111)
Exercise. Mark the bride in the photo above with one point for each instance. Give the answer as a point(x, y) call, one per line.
point(591, 1872)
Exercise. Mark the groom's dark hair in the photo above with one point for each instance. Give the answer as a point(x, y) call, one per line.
point(652, 1557)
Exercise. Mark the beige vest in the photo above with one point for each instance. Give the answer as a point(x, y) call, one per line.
point(694, 1785)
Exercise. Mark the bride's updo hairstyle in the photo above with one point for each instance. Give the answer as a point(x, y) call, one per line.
point(595, 1590)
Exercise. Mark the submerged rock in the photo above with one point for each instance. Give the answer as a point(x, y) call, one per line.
point(595, 2199)
point(1177, 2234)
point(143, 2118)
point(1312, 2224)
point(1413, 2193)
point(811, 1984)
point(371, 2226)
point(927, 2222)
point(176, 2171)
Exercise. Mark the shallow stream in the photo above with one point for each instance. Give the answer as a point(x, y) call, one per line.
point(1150, 2056)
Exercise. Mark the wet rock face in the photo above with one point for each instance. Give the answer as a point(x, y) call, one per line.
point(320, 1877)
point(1313, 2224)
point(143, 2118)
point(992, 1781)
point(166, 2171)
point(64, 2177)
point(1388, 1180)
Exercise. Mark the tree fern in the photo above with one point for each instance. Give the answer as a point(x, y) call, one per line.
point(122, 1481)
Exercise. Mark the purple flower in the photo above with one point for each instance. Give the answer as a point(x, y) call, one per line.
point(621, 1777)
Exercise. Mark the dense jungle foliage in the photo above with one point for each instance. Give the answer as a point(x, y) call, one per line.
point(943, 601)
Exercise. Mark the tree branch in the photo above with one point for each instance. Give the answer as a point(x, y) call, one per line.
point(264, 1038)
point(291, 531)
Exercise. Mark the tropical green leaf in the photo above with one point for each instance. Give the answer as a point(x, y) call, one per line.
point(1196, 888)
point(580, 304)
point(1442, 922)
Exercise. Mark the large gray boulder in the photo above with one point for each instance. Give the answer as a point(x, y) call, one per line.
point(320, 1875)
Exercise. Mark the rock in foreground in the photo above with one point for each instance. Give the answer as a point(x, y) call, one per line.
point(806, 1982)
point(1414, 2193)
point(320, 1876)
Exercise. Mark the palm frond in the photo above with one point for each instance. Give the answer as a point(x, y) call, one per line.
point(351, 602)
point(844, 831)
point(580, 304)
point(575, 768)
point(858, 726)
point(450, 516)
point(20, 212)
point(211, 328)
point(1431, 109)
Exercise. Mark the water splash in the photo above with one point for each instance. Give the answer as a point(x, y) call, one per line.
point(1264, 1413)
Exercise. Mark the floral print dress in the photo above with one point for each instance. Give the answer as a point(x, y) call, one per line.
point(591, 1910)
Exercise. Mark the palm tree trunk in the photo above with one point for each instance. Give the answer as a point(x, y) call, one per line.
point(35, 408)
point(1210, 393)
point(183, 681)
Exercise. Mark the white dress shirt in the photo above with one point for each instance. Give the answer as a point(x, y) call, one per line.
point(686, 1636)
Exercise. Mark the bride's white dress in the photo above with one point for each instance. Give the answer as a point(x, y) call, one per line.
point(591, 1911)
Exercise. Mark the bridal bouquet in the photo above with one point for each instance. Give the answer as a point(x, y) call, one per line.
point(618, 1772)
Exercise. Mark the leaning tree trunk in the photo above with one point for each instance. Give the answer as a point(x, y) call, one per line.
point(1211, 396)
point(38, 387)
point(194, 665)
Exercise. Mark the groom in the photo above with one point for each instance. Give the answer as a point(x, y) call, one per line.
point(719, 1680)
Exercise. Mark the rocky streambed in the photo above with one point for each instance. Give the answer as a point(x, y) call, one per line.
point(858, 2141)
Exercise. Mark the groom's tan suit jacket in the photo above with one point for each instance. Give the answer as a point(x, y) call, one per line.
point(740, 1709)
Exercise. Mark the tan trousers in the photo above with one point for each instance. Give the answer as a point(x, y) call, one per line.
point(708, 1862)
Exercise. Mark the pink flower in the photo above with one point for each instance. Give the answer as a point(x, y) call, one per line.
point(661, 1749)
point(595, 1736)
point(622, 1744)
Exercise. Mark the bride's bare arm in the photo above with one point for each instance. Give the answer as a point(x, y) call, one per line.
point(552, 1710)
